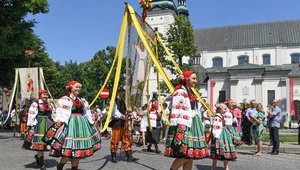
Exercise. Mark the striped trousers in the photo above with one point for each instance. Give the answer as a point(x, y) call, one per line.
point(120, 134)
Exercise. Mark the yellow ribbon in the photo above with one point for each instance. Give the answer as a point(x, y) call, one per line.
point(119, 56)
point(180, 72)
point(13, 94)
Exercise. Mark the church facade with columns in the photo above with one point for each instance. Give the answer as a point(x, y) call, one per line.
point(242, 62)
point(254, 61)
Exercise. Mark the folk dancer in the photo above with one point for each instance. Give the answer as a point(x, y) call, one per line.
point(39, 120)
point(222, 147)
point(120, 129)
point(186, 139)
point(73, 135)
point(153, 136)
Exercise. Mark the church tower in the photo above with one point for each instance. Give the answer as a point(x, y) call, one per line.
point(182, 9)
point(161, 15)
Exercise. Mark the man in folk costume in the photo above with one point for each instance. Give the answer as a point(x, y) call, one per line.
point(120, 129)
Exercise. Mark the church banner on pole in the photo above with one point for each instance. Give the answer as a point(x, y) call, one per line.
point(29, 83)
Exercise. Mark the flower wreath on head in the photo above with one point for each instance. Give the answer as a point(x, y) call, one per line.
point(218, 106)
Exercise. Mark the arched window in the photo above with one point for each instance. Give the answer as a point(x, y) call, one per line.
point(217, 62)
point(266, 59)
point(295, 58)
point(243, 59)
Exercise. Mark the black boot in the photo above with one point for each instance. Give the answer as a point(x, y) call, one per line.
point(37, 161)
point(42, 163)
point(114, 157)
point(157, 149)
point(74, 167)
point(60, 166)
point(149, 148)
point(129, 157)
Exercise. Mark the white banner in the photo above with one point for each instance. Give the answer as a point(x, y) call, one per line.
point(29, 82)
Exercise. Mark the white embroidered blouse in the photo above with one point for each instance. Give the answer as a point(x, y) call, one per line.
point(64, 109)
point(182, 112)
point(33, 112)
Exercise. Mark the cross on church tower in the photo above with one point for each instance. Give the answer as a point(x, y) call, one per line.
point(181, 2)
point(182, 9)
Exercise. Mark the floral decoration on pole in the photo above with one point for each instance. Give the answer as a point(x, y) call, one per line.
point(6, 91)
point(29, 55)
point(146, 5)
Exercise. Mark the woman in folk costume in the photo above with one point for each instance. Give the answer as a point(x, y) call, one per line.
point(186, 139)
point(15, 120)
point(39, 120)
point(73, 135)
point(222, 147)
point(154, 136)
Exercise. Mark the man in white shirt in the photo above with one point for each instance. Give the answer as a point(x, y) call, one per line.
point(165, 127)
point(120, 129)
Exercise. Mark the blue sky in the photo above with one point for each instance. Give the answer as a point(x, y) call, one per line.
point(74, 30)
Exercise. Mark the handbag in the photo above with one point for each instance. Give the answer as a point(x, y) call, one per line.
point(207, 126)
point(234, 124)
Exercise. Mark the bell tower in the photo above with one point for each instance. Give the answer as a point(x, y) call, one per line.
point(161, 15)
point(182, 9)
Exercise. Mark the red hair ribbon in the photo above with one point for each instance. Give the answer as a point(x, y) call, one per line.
point(42, 91)
point(183, 78)
point(71, 84)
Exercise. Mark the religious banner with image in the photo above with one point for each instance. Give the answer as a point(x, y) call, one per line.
point(29, 82)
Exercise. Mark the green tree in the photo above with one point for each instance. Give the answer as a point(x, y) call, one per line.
point(180, 41)
point(16, 34)
point(41, 59)
point(95, 71)
point(180, 38)
point(71, 70)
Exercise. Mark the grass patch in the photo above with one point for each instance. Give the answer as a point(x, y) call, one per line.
point(282, 137)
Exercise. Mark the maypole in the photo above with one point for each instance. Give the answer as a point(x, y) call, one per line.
point(118, 56)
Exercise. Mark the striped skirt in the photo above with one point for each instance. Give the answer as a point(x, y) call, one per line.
point(33, 139)
point(77, 139)
point(187, 142)
point(222, 148)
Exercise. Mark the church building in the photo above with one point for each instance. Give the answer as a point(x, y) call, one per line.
point(243, 62)
point(253, 61)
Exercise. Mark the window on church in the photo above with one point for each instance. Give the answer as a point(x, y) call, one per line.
point(271, 95)
point(217, 62)
point(243, 59)
point(295, 58)
point(156, 29)
point(266, 59)
point(222, 96)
